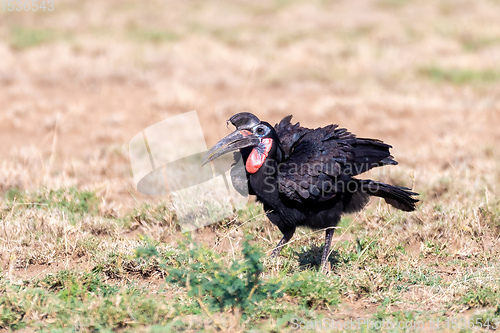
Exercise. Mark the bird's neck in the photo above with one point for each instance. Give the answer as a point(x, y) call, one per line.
point(258, 155)
point(264, 180)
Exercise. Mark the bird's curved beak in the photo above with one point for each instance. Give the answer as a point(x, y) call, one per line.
point(237, 140)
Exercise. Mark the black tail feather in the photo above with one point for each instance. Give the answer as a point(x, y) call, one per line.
point(368, 154)
point(398, 197)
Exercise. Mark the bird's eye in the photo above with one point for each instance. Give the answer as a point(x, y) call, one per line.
point(260, 130)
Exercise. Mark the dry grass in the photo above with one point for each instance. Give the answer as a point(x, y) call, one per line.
point(78, 83)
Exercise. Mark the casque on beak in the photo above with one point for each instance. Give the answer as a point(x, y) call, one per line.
point(237, 140)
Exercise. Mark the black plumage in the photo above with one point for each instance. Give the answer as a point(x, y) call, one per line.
point(305, 177)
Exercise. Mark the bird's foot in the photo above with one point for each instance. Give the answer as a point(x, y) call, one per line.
point(324, 267)
point(276, 252)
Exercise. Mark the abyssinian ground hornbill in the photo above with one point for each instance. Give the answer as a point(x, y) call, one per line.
point(305, 177)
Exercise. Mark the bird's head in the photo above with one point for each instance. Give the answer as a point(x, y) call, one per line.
point(250, 132)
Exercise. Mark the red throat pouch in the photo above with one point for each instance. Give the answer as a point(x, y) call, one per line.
point(256, 158)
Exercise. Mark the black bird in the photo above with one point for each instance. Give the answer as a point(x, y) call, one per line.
point(305, 177)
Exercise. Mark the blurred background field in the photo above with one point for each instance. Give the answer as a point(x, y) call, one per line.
point(77, 83)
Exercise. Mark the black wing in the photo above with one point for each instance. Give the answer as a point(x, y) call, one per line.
point(289, 134)
point(319, 163)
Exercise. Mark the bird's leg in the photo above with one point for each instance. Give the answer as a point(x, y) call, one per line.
point(286, 237)
point(326, 250)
